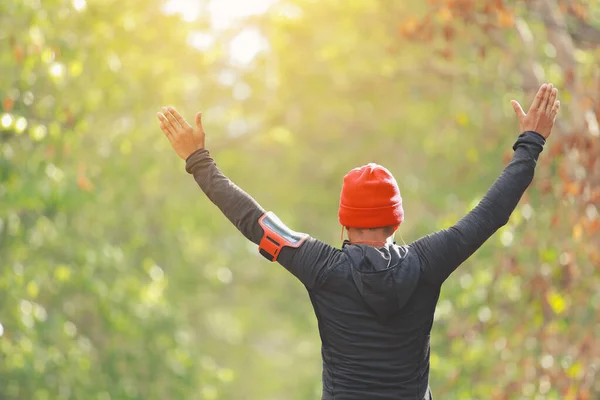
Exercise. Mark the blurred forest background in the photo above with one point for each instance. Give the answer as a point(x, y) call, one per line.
point(120, 280)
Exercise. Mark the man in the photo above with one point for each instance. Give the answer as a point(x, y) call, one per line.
point(374, 300)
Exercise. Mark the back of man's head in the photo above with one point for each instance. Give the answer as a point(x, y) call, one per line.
point(370, 199)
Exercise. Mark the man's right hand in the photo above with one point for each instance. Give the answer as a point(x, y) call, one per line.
point(542, 113)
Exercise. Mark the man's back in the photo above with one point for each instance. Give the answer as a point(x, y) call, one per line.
point(375, 314)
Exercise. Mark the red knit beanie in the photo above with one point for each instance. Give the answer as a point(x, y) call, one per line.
point(370, 198)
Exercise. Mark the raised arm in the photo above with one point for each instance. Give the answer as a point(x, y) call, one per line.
point(308, 262)
point(442, 252)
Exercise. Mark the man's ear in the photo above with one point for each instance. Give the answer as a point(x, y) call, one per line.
point(392, 229)
point(348, 230)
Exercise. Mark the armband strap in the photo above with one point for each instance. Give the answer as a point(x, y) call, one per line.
point(277, 236)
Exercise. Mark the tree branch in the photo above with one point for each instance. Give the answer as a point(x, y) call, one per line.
point(559, 37)
point(586, 35)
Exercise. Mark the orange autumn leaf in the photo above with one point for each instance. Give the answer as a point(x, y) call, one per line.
point(448, 32)
point(577, 232)
point(488, 8)
point(569, 77)
point(564, 8)
point(426, 32)
point(499, 4)
point(425, 29)
point(409, 26)
point(592, 226)
point(587, 102)
point(562, 173)
point(545, 186)
point(572, 188)
point(505, 19)
point(50, 151)
point(444, 14)
point(595, 257)
point(19, 54)
point(446, 53)
point(579, 10)
point(7, 104)
point(466, 5)
point(556, 149)
point(84, 183)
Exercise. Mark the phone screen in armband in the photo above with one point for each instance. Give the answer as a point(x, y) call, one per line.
point(277, 235)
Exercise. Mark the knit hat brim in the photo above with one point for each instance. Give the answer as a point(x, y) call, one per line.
point(389, 215)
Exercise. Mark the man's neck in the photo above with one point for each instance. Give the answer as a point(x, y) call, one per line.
point(370, 240)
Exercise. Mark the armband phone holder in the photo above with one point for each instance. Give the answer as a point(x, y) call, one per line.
point(276, 235)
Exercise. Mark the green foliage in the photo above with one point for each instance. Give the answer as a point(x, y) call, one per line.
point(119, 280)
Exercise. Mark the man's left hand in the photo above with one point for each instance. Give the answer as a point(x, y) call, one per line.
point(184, 138)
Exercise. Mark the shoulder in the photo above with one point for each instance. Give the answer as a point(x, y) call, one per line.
point(335, 268)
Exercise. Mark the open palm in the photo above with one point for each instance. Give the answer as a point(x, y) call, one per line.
point(184, 138)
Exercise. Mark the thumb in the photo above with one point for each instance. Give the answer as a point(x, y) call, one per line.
point(518, 109)
point(199, 120)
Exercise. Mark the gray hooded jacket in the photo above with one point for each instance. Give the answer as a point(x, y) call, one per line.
point(375, 306)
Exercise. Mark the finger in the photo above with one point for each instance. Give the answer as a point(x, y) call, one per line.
point(538, 97)
point(166, 132)
point(547, 95)
point(555, 108)
point(165, 124)
point(552, 100)
point(199, 121)
point(518, 109)
point(171, 120)
point(178, 118)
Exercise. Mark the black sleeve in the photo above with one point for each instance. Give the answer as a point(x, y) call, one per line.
point(307, 262)
point(442, 252)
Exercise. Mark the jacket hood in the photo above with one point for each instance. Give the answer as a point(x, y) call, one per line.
point(385, 277)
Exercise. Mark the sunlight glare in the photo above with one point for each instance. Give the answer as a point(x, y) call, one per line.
point(6, 120)
point(245, 46)
point(223, 13)
point(57, 69)
point(79, 5)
